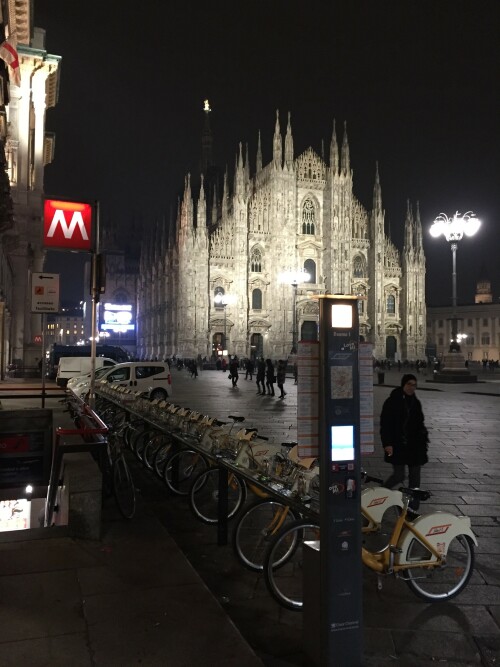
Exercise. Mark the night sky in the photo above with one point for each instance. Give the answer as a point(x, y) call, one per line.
point(417, 82)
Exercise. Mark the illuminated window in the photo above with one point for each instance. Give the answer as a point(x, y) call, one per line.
point(218, 291)
point(391, 304)
point(310, 267)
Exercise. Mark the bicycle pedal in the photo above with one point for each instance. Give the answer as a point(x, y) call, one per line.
point(394, 549)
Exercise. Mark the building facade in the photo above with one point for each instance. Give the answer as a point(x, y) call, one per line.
point(478, 326)
point(28, 148)
point(220, 276)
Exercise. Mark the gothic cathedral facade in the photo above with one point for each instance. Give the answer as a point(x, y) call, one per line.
point(238, 269)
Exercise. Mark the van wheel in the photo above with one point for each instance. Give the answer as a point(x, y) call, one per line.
point(158, 394)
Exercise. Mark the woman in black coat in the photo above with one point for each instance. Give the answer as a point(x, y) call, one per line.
point(404, 435)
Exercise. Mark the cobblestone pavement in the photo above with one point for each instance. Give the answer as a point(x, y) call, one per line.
point(464, 476)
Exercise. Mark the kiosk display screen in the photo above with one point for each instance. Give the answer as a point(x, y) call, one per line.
point(342, 446)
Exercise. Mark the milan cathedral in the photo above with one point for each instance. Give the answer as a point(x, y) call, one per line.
point(240, 267)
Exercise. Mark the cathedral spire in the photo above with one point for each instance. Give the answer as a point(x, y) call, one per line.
point(225, 196)
point(206, 140)
point(239, 178)
point(258, 164)
point(419, 237)
point(409, 228)
point(377, 192)
point(334, 151)
point(345, 159)
point(289, 145)
point(277, 143)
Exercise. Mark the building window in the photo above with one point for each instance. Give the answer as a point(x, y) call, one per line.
point(218, 291)
point(470, 339)
point(308, 217)
point(310, 267)
point(485, 339)
point(440, 340)
point(257, 299)
point(469, 322)
point(359, 270)
point(440, 324)
point(485, 321)
point(256, 261)
point(391, 304)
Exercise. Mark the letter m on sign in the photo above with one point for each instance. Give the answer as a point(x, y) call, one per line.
point(67, 225)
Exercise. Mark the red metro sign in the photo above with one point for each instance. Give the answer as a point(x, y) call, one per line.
point(67, 225)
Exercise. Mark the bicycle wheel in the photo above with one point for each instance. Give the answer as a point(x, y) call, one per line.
point(123, 487)
point(283, 563)
point(181, 468)
point(141, 441)
point(441, 583)
point(256, 528)
point(151, 448)
point(160, 459)
point(204, 495)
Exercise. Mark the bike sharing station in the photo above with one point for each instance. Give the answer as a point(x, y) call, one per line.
point(333, 570)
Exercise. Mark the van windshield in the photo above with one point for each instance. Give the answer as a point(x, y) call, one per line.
point(101, 371)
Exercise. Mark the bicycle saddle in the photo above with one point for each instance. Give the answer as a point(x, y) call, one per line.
point(419, 494)
point(236, 418)
point(289, 445)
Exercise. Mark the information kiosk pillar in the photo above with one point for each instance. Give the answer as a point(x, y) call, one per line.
point(340, 506)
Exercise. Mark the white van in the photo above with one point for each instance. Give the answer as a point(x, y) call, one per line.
point(151, 378)
point(70, 367)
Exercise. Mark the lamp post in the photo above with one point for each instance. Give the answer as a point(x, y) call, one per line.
point(294, 277)
point(453, 229)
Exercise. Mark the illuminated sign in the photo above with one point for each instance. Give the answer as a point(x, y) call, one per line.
point(67, 225)
point(117, 317)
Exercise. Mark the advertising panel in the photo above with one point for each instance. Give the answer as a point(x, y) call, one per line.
point(117, 318)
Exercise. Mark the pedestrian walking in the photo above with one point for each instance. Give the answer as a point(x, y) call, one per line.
point(249, 367)
point(233, 370)
point(281, 377)
point(261, 376)
point(404, 435)
point(270, 377)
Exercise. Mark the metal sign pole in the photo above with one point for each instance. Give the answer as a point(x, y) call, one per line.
point(43, 360)
point(340, 476)
point(95, 301)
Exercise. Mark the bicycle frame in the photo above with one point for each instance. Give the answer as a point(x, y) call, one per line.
point(429, 530)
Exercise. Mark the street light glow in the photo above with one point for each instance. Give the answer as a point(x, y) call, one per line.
point(453, 229)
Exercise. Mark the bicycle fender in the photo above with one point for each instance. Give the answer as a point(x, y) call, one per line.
point(439, 529)
point(375, 500)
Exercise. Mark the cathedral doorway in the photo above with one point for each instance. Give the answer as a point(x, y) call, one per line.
point(309, 330)
point(256, 346)
point(391, 347)
point(217, 339)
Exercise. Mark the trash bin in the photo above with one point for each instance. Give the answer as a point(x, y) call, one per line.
point(381, 377)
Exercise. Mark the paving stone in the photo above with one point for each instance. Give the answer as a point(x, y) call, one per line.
point(60, 651)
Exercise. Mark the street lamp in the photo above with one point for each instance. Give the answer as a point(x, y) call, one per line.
point(224, 300)
point(453, 229)
point(294, 277)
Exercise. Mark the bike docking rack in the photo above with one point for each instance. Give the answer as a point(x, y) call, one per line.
point(235, 453)
point(88, 437)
